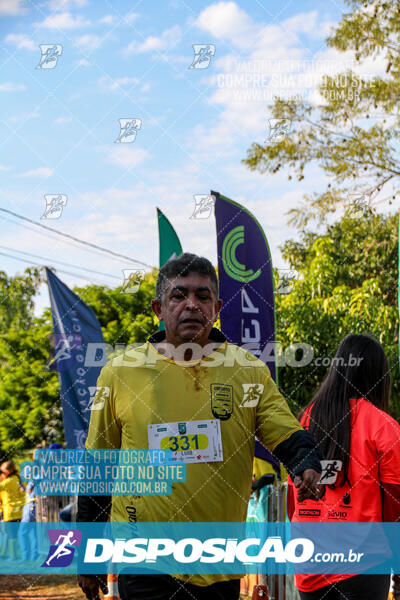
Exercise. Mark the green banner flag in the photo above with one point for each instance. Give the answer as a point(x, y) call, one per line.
point(170, 246)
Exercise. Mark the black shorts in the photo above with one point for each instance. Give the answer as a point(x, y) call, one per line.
point(165, 587)
point(359, 587)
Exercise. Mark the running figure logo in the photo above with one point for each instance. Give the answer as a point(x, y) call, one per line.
point(64, 344)
point(251, 394)
point(278, 130)
point(286, 279)
point(358, 205)
point(98, 396)
point(132, 280)
point(50, 55)
point(128, 130)
point(203, 54)
point(61, 551)
point(203, 205)
point(330, 471)
point(54, 206)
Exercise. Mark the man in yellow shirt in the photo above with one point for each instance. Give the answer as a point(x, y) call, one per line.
point(182, 378)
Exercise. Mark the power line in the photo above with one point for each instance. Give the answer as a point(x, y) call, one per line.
point(39, 265)
point(54, 237)
point(60, 262)
point(67, 235)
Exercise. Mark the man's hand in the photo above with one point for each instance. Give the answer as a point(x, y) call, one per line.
point(396, 587)
point(90, 585)
point(307, 485)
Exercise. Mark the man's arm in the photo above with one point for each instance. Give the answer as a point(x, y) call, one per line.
point(92, 509)
point(302, 459)
point(282, 434)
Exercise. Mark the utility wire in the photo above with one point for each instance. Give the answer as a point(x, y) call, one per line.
point(60, 262)
point(67, 235)
point(39, 265)
point(54, 237)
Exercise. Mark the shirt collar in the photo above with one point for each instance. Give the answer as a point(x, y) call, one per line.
point(215, 336)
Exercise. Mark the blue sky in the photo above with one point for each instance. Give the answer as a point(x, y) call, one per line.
point(130, 60)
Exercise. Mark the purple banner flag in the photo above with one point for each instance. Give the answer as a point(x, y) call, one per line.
point(246, 280)
point(246, 285)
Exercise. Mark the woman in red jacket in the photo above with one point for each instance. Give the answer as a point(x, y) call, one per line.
point(348, 418)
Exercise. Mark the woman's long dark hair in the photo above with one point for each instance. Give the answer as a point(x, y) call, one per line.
point(360, 369)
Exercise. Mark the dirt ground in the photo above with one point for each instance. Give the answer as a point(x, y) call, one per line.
point(43, 587)
point(38, 587)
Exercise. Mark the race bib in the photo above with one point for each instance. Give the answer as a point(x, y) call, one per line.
point(189, 441)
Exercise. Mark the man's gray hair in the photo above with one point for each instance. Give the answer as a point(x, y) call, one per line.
point(181, 267)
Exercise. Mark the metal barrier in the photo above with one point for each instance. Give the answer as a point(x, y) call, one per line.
point(48, 508)
point(281, 587)
point(47, 511)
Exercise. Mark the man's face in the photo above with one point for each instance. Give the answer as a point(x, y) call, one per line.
point(189, 309)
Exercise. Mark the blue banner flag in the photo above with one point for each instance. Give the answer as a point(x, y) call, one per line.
point(246, 285)
point(75, 327)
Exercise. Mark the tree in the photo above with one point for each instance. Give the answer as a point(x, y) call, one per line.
point(353, 133)
point(30, 408)
point(348, 273)
point(17, 298)
point(346, 284)
point(124, 318)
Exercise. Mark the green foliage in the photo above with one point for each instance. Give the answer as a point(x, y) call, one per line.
point(347, 284)
point(124, 318)
point(30, 408)
point(16, 299)
point(353, 133)
point(29, 396)
point(348, 274)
